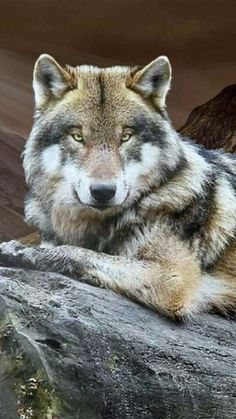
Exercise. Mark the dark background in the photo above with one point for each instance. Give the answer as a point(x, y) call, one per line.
point(198, 36)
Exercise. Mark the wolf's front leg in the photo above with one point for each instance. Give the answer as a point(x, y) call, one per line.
point(169, 286)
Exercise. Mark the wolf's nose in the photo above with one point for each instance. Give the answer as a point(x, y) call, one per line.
point(102, 192)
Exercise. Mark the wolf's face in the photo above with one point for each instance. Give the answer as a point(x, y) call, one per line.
point(101, 136)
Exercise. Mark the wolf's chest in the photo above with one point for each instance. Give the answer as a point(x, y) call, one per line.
point(117, 237)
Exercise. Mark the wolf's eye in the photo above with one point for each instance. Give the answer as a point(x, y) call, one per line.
point(126, 137)
point(78, 138)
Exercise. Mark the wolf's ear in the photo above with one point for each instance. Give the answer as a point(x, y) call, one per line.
point(50, 80)
point(153, 81)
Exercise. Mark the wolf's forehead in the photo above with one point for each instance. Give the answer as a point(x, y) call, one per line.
point(113, 75)
point(101, 100)
point(103, 86)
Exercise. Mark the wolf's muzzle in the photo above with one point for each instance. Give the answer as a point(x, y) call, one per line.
point(102, 193)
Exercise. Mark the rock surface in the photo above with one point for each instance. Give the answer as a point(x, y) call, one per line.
point(213, 124)
point(73, 351)
point(12, 187)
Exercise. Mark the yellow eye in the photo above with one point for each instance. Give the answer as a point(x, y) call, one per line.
point(77, 137)
point(126, 137)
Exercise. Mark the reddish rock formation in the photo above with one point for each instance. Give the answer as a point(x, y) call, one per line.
point(213, 124)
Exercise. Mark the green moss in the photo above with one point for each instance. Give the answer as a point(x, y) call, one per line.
point(112, 363)
point(35, 397)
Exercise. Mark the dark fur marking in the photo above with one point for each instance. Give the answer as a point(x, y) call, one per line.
point(102, 89)
point(91, 241)
point(213, 157)
point(134, 154)
point(191, 223)
point(196, 215)
point(54, 132)
point(48, 79)
point(164, 114)
point(220, 167)
point(156, 81)
point(127, 232)
point(148, 131)
point(169, 173)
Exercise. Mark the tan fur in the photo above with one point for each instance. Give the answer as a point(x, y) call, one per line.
point(32, 239)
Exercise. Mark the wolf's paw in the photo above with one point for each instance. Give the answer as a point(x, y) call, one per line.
point(15, 254)
point(9, 251)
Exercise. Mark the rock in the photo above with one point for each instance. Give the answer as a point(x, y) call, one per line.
point(73, 351)
point(213, 124)
point(12, 187)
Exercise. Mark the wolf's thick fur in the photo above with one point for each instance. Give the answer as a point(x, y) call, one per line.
point(166, 238)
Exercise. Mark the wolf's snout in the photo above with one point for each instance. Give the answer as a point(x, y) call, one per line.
point(103, 192)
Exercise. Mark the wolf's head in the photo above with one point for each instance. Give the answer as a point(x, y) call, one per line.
point(101, 137)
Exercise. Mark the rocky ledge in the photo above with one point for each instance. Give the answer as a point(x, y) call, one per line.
point(73, 351)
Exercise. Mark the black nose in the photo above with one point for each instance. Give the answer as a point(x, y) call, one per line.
point(102, 192)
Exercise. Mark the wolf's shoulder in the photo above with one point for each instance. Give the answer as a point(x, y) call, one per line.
point(220, 160)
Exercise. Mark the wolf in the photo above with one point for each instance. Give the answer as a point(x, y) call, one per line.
point(120, 199)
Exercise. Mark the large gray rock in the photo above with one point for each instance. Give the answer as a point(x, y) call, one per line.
point(70, 350)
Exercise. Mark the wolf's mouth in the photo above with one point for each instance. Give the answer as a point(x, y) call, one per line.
point(96, 206)
point(101, 207)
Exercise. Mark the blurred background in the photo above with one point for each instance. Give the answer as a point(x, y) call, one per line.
point(198, 36)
